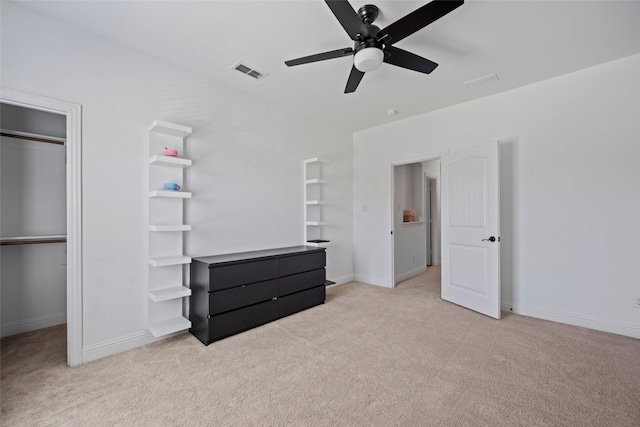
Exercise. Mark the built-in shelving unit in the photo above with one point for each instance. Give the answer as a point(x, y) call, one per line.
point(314, 183)
point(165, 241)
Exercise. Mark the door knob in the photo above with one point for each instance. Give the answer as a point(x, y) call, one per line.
point(490, 239)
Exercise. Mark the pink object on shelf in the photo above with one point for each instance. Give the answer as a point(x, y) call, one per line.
point(408, 215)
point(169, 152)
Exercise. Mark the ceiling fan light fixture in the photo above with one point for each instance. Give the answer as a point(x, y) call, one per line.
point(368, 59)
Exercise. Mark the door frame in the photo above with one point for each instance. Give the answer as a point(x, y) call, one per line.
point(392, 190)
point(73, 148)
point(428, 184)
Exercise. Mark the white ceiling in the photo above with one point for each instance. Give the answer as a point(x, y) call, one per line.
point(522, 41)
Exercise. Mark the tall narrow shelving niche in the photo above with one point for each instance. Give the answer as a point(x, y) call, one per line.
point(313, 202)
point(165, 243)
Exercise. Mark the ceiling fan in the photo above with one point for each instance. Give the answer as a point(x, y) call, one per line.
point(372, 46)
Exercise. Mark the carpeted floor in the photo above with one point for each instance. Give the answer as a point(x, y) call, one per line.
point(370, 356)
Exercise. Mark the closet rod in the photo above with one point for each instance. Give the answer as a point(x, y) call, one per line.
point(32, 136)
point(32, 240)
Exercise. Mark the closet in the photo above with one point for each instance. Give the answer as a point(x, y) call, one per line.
point(33, 282)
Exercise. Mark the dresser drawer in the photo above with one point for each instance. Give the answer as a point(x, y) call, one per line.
point(303, 262)
point(301, 301)
point(243, 273)
point(299, 282)
point(242, 296)
point(237, 321)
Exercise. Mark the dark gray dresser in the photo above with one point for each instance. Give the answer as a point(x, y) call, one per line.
point(236, 292)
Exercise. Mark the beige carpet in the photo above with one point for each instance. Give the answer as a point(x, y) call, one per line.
point(369, 357)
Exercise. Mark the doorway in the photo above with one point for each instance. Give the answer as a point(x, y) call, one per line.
point(415, 217)
point(470, 229)
point(71, 114)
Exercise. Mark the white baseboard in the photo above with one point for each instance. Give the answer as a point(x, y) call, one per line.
point(341, 280)
point(603, 325)
point(32, 324)
point(410, 274)
point(370, 280)
point(118, 345)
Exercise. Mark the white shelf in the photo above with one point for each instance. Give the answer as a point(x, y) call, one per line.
point(316, 160)
point(166, 294)
point(318, 245)
point(169, 161)
point(315, 202)
point(176, 227)
point(316, 181)
point(170, 194)
point(170, 129)
point(410, 223)
point(169, 260)
point(169, 326)
point(316, 223)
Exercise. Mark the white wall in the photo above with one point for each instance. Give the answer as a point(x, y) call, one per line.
point(570, 191)
point(246, 177)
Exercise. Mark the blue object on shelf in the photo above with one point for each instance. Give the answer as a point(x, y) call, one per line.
point(171, 186)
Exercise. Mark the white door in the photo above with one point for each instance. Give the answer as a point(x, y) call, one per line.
point(471, 229)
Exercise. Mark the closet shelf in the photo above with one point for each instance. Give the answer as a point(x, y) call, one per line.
point(316, 223)
point(169, 326)
point(169, 260)
point(315, 202)
point(169, 161)
point(166, 294)
point(170, 194)
point(173, 227)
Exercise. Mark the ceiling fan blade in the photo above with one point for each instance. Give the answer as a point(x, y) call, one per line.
point(408, 60)
point(354, 80)
point(417, 20)
point(320, 57)
point(347, 17)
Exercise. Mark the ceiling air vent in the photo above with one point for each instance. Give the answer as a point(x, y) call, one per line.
point(244, 69)
point(491, 78)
